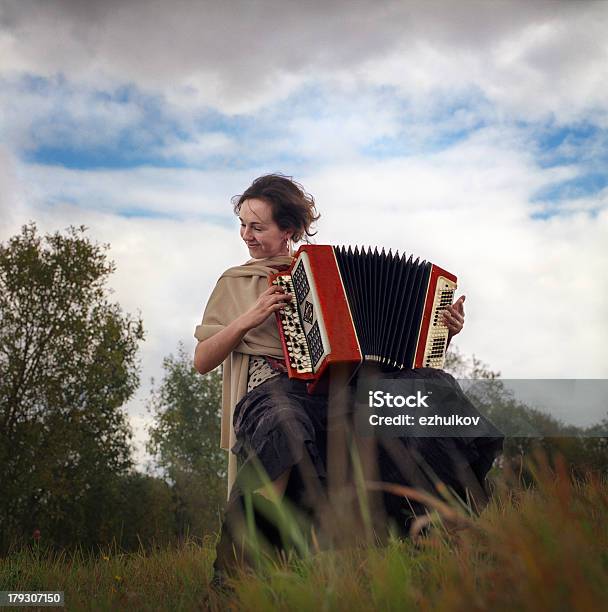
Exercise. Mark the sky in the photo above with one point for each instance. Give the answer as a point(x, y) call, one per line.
point(473, 134)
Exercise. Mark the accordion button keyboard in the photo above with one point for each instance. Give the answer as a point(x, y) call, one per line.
point(295, 339)
point(438, 332)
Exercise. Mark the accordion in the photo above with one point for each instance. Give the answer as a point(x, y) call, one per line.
point(354, 306)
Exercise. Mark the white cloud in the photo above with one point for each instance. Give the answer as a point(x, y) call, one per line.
point(12, 204)
point(164, 191)
point(527, 281)
point(59, 112)
point(201, 148)
point(530, 58)
point(466, 208)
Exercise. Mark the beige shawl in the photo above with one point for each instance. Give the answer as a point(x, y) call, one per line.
point(235, 292)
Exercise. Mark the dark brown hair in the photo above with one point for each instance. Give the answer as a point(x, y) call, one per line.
point(292, 208)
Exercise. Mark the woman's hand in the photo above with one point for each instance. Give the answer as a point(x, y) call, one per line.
point(273, 299)
point(211, 352)
point(453, 317)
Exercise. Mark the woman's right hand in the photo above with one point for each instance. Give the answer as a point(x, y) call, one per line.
point(273, 299)
point(211, 352)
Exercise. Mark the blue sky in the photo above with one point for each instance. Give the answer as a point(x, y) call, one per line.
point(474, 134)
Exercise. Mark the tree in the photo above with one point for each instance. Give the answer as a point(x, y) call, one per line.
point(460, 366)
point(143, 512)
point(68, 363)
point(184, 440)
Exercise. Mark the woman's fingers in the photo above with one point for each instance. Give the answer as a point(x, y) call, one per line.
point(275, 301)
point(280, 297)
point(459, 304)
point(271, 296)
point(272, 289)
point(453, 316)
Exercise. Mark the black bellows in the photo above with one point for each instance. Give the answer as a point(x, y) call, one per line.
point(386, 294)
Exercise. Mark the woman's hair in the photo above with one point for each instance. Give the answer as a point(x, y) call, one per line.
point(292, 208)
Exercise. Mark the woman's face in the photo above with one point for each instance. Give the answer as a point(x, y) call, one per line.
point(261, 234)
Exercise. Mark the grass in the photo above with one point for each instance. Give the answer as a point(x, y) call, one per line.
point(543, 547)
point(166, 579)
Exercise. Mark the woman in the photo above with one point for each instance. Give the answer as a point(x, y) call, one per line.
point(268, 420)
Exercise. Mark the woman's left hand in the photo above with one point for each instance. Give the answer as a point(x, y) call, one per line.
point(453, 316)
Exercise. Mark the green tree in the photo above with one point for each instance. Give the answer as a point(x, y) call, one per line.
point(68, 363)
point(184, 441)
point(144, 513)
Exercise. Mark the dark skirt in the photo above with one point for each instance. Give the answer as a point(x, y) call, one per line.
point(278, 426)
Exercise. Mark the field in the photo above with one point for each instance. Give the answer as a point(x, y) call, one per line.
point(542, 546)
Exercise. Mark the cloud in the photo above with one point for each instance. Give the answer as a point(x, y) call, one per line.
point(154, 191)
point(467, 207)
point(530, 59)
point(12, 204)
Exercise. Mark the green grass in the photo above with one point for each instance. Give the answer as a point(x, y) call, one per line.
point(166, 579)
point(538, 548)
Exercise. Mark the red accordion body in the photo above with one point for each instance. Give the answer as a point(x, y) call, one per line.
point(354, 306)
